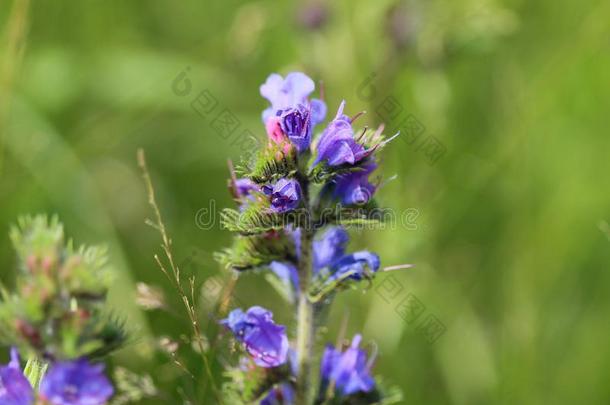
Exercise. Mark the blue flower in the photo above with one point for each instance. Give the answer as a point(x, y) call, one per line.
point(349, 370)
point(337, 145)
point(76, 383)
point(15, 389)
point(290, 93)
point(284, 195)
point(354, 187)
point(262, 338)
point(279, 395)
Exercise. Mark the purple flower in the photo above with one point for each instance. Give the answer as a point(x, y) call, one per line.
point(349, 369)
point(279, 395)
point(245, 188)
point(296, 125)
point(76, 383)
point(337, 145)
point(15, 389)
point(287, 272)
point(330, 247)
point(318, 111)
point(289, 93)
point(244, 192)
point(326, 250)
point(284, 195)
point(355, 265)
point(329, 253)
point(354, 187)
point(263, 339)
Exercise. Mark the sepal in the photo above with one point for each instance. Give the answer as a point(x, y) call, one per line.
point(250, 383)
point(255, 251)
point(272, 163)
point(325, 284)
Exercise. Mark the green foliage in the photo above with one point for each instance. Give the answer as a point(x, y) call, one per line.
point(257, 218)
point(255, 251)
point(322, 173)
point(34, 370)
point(36, 239)
point(57, 308)
point(325, 285)
point(132, 387)
point(249, 383)
point(368, 215)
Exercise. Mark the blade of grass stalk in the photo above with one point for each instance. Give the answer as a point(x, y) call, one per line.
point(175, 271)
point(16, 33)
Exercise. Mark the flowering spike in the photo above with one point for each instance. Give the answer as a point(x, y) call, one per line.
point(279, 220)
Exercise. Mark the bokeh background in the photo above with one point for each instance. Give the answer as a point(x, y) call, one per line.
point(511, 239)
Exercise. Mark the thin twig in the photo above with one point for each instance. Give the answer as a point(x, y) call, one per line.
point(175, 270)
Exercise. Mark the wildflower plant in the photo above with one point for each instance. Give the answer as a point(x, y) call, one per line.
point(57, 320)
point(295, 199)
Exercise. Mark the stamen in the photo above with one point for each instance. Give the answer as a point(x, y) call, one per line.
point(390, 139)
point(391, 178)
point(398, 267)
point(355, 117)
point(379, 130)
point(362, 134)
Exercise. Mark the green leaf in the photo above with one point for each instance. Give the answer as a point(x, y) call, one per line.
point(254, 251)
point(258, 218)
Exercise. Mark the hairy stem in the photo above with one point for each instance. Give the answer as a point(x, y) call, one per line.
point(305, 323)
point(305, 311)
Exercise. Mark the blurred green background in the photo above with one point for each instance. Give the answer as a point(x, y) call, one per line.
point(511, 243)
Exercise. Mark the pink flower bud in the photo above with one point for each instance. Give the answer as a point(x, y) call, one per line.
point(274, 130)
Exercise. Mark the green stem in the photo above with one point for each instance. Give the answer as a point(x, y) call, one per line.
point(34, 371)
point(305, 323)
